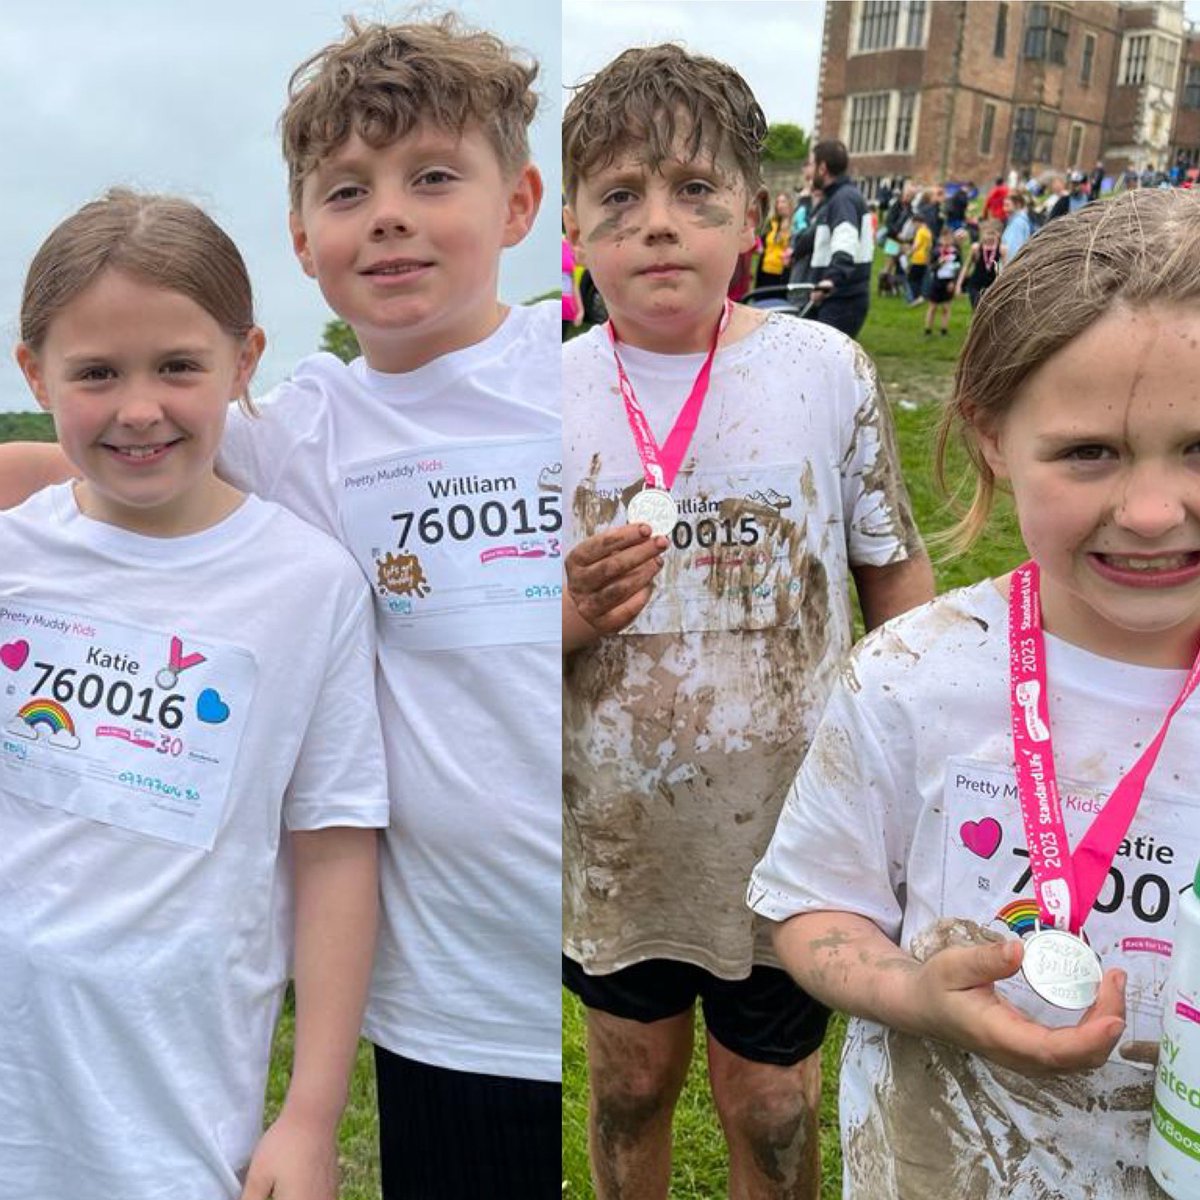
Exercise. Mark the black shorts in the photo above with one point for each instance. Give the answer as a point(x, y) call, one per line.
point(940, 292)
point(455, 1135)
point(765, 1018)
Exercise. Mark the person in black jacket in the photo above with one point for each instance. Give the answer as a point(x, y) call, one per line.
point(842, 243)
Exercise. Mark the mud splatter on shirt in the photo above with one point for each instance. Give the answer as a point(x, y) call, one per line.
point(683, 734)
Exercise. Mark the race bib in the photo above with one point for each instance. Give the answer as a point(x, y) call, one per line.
point(128, 726)
point(740, 558)
point(986, 877)
point(461, 544)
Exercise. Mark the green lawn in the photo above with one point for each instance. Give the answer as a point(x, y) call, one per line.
point(917, 373)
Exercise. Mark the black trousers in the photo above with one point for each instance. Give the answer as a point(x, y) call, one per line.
point(846, 315)
point(455, 1135)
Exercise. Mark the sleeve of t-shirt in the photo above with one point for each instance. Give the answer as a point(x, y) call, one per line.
point(835, 848)
point(879, 521)
point(286, 452)
point(340, 774)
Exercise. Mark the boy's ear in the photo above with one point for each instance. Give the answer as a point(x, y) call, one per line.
point(524, 200)
point(300, 244)
point(749, 231)
point(31, 368)
point(572, 233)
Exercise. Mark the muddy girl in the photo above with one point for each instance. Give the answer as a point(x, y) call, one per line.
point(982, 857)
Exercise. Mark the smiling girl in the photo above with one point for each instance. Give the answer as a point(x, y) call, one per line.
point(183, 823)
point(1002, 844)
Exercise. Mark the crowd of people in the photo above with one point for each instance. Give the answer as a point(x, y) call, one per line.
point(924, 230)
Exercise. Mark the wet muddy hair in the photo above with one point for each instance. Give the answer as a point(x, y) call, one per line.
point(1135, 251)
point(382, 81)
point(647, 98)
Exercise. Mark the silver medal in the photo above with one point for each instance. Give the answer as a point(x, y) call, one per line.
point(656, 508)
point(1062, 968)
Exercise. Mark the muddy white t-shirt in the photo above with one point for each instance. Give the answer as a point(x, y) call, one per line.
point(445, 484)
point(906, 812)
point(169, 708)
point(682, 733)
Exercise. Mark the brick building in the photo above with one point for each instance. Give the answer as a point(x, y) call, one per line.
point(957, 90)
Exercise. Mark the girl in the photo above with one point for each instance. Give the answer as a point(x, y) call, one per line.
point(925, 855)
point(983, 264)
point(945, 273)
point(188, 727)
point(777, 244)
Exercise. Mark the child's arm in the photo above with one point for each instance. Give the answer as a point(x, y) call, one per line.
point(962, 275)
point(887, 591)
point(608, 582)
point(336, 878)
point(27, 467)
point(848, 963)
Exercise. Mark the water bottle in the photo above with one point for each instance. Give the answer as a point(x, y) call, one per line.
point(1174, 1155)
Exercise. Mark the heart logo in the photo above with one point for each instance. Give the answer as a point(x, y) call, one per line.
point(981, 837)
point(14, 654)
point(210, 708)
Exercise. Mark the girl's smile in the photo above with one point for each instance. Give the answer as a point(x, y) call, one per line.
point(1102, 450)
point(138, 378)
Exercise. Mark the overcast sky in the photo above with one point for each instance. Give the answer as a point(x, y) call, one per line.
point(151, 94)
point(184, 98)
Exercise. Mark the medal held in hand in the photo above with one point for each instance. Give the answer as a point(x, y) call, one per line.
point(1062, 968)
point(1058, 964)
point(654, 505)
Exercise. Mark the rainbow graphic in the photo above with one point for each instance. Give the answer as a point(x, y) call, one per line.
point(1021, 916)
point(49, 713)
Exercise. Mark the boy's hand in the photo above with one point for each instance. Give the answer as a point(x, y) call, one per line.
point(955, 993)
point(294, 1160)
point(609, 575)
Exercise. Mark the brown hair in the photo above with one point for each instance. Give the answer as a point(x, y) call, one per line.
point(164, 241)
point(1138, 250)
point(645, 98)
point(833, 156)
point(381, 81)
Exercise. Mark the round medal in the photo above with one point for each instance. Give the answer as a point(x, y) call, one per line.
point(166, 678)
point(656, 508)
point(1062, 968)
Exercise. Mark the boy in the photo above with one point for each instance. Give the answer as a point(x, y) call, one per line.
point(700, 654)
point(436, 459)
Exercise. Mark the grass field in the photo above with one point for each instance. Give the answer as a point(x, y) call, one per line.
point(917, 374)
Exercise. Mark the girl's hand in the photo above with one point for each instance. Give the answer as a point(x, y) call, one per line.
point(955, 994)
point(293, 1161)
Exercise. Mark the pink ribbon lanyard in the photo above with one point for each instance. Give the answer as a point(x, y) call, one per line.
point(660, 464)
point(1066, 884)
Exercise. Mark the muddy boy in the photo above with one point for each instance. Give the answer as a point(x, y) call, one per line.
point(699, 655)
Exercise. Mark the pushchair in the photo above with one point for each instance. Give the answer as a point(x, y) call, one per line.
point(795, 299)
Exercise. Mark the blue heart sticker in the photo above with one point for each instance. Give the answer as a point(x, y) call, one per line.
point(210, 708)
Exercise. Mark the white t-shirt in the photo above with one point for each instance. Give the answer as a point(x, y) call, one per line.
point(905, 812)
point(169, 708)
point(683, 733)
point(445, 484)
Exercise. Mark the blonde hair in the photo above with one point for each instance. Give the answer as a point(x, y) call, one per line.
point(1140, 249)
point(164, 241)
point(647, 97)
point(382, 81)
